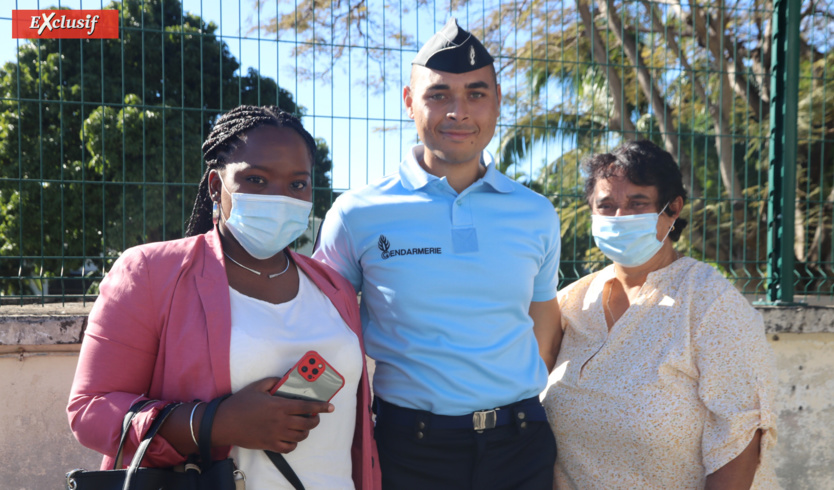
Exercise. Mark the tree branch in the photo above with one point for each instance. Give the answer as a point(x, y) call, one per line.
point(724, 107)
point(618, 119)
point(659, 107)
point(738, 81)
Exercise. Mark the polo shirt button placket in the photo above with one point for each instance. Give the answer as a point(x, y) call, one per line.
point(464, 238)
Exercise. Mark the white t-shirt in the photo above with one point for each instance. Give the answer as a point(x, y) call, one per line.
point(267, 340)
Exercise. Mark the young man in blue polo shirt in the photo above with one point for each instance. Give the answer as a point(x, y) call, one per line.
point(457, 265)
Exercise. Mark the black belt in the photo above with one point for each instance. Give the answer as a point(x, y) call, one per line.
point(529, 410)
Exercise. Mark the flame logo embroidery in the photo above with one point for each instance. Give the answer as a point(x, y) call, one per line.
point(383, 245)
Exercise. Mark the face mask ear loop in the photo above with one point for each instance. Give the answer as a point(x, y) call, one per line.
point(658, 214)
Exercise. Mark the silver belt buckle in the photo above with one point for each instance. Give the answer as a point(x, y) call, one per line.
point(485, 419)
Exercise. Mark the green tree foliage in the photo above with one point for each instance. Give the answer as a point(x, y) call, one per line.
point(692, 76)
point(695, 78)
point(100, 140)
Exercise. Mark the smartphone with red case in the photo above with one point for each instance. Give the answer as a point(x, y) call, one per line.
point(312, 378)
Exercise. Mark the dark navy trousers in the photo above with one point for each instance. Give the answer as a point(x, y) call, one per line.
point(518, 455)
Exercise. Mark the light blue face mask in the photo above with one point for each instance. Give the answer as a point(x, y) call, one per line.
point(265, 224)
point(629, 241)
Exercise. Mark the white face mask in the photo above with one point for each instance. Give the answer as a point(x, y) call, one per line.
point(265, 224)
point(630, 240)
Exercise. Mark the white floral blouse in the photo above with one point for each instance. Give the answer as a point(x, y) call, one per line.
point(674, 392)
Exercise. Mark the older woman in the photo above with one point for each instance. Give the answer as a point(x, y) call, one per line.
point(664, 379)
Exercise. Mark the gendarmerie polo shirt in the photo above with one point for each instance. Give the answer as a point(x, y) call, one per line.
point(447, 280)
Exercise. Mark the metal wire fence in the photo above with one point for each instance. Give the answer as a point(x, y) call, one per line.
point(100, 139)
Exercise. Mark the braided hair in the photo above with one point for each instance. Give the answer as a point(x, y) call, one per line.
point(225, 137)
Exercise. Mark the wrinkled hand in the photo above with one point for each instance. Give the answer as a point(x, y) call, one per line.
point(254, 419)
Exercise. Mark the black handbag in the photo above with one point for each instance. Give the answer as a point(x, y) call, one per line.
point(207, 475)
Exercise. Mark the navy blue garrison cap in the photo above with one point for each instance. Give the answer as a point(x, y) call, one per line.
point(453, 50)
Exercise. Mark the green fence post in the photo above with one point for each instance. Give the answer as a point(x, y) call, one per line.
point(784, 97)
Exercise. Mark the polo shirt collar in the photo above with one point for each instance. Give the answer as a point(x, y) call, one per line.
point(414, 177)
point(493, 176)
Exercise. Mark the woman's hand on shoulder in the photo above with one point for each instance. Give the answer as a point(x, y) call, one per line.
point(254, 419)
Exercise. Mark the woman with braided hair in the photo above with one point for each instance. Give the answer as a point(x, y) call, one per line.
point(229, 309)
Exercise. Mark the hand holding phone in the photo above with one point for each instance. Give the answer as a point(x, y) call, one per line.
point(253, 419)
point(312, 378)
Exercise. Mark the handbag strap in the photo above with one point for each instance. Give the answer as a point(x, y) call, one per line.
point(285, 469)
point(146, 441)
point(205, 446)
point(205, 432)
point(129, 416)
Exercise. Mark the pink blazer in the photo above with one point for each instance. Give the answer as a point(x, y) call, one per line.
point(160, 329)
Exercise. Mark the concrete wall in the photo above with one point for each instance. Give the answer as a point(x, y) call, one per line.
point(805, 403)
point(38, 354)
point(36, 446)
